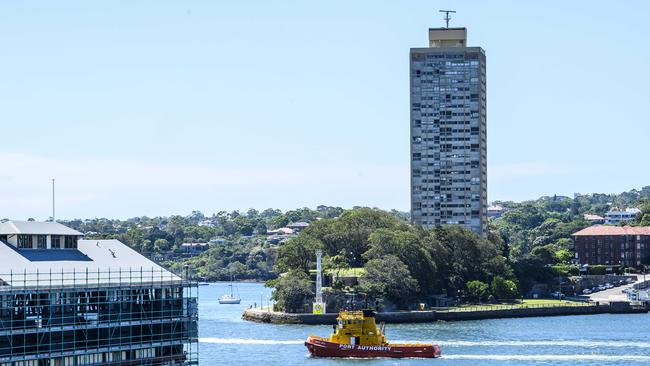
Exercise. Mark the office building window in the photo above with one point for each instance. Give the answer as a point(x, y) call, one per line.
point(25, 241)
point(55, 242)
point(41, 241)
point(70, 242)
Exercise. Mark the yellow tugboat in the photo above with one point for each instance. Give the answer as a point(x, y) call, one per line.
point(356, 335)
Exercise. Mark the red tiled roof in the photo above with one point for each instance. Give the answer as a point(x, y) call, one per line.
point(613, 230)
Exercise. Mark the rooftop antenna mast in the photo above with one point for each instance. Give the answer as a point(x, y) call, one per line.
point(53, 203)
point(447, 18)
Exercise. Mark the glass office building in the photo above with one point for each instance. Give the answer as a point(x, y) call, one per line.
point(448, 132)
point(89, 302)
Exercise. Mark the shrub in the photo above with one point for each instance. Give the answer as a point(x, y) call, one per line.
point(504, 289)
point(566, 270)
point(598, 269)
point(477, 291)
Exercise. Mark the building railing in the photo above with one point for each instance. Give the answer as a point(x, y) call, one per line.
point(111, 277)
point(515, 306)
point(97, 313)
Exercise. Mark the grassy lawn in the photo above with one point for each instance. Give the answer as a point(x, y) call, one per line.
point(552, 302)
point(526, 303)
point(350, 272)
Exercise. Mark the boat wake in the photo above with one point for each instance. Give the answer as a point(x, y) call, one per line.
point(246, 341)
point(549, 343)
point(459, 343)
point(602, 357)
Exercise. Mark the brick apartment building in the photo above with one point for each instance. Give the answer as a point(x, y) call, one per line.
point(613, 245)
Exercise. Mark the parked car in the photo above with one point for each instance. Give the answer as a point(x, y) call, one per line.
point(586, 291)
point(557, 295)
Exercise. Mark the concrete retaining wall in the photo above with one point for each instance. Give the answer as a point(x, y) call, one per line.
point(435, 315)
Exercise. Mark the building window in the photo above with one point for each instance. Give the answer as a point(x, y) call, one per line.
point(25, 241)
point(70, 242)
point(3, 238)
point(55, 242)
point(41, 241)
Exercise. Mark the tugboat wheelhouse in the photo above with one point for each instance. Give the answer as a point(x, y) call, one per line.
point(65, 301)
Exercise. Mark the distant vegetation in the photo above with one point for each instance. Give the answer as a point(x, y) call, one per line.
point(537, 234)
point(239, 246)
point(402, 263)
point(529, 244)
point(399, 263)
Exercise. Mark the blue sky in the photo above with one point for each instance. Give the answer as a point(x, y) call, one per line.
point(162, 107)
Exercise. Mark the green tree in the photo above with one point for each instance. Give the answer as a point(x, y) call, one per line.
point(545, 253)
point(563, 256)
point(338, 263)
point(297, 253)
point(645, 220)
point(260, 229)
point(388, 278)
point(462, 256)
point(408, 247)
point(237, 269)
point(292, 291)
point(503, 289)
point(477, 291)
point(350, 232)
point(147, 246)
point(162, 245)
point(244, 225)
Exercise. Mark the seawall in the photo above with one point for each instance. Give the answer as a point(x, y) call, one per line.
point(257, 315)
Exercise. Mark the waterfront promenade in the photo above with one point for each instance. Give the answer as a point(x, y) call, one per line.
point(452, 314)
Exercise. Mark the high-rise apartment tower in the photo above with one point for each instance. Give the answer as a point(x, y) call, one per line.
point(448, 132)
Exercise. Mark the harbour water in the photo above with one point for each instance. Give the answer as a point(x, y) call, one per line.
point(608, 339)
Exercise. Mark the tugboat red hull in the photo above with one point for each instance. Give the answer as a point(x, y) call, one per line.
point(321, 347)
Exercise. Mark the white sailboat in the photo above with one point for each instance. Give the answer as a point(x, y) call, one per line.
point(230, 298)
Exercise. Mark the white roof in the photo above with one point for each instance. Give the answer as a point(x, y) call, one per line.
point(592, 217)
point(630, 211)
point(36, 228)
point(106, 261)
point(282, 230)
